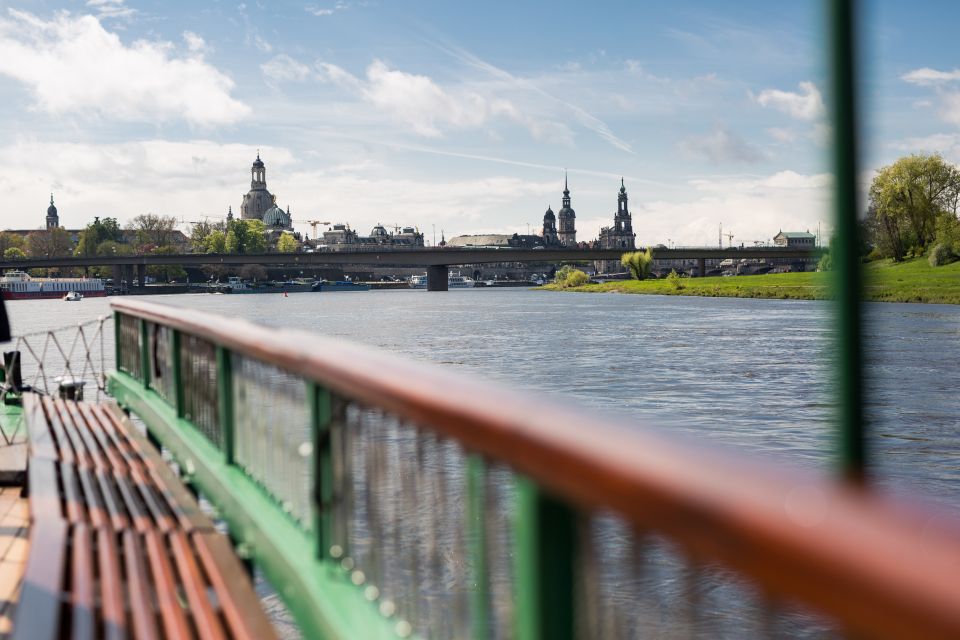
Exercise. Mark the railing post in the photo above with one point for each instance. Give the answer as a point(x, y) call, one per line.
point(225, 401)
point(545, 558)
point(144, 353)
point(477, 546)
point(320, 416)
point(851, 448)
point(176, 373)
point(116, 340)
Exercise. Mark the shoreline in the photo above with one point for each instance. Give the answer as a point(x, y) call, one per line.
point(909, 281)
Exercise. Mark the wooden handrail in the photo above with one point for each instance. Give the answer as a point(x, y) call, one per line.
point(875, 564)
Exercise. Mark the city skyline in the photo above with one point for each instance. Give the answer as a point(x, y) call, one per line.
point(428, 115)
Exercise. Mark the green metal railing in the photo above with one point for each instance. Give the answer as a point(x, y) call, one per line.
point(387, 499)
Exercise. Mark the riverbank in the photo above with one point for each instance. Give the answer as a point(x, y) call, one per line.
point(884, 281)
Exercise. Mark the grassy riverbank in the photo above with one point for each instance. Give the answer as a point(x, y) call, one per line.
point(910, 281)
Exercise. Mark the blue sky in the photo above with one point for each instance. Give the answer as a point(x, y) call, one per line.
point(456, 116)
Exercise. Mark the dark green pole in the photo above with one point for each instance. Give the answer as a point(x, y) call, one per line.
point(852, 452)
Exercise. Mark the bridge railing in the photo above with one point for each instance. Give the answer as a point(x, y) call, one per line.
point(385, 498)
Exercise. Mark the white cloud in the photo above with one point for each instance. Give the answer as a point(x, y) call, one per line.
point(285, 68)
point(753, 208)
point(946, 144)
point(321, 12)
point(72, 65)
point(195, 43)
point(111, 8)
point(721, 146)
point(807, 104)
point(930, 77)
point(426, 107)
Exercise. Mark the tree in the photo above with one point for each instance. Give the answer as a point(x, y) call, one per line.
point(10, 240)
point(907, 197)
point(638, 262)
point(95, 234)
point(14, 253)
point(287, 243)
point(152, 231)
point(200, 235)
point(52, 243)
point(216, 242)
point(253, 272)
point(256, 236)
point(166, 272)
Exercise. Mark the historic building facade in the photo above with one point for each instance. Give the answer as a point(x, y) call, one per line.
point(566, 218)
point(550, 237)
point(619, 236)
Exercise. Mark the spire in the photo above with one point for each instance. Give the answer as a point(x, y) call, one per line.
point(566, 189)
point(623, 188)
point(51, 199)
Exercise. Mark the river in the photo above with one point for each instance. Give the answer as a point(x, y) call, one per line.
point(751, 374)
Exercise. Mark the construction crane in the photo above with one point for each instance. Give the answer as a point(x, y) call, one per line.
point(313, 224)
point(729, 239)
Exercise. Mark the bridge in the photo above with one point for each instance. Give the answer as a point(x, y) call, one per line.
point(436, 260)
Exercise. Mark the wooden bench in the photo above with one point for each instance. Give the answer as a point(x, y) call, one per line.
point(118, 547)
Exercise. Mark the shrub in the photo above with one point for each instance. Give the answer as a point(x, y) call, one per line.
point(638, 262)
point(675, 281)
point(940, 255)
point(576, 278)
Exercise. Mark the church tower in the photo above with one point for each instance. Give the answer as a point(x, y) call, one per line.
point(258, 200)
point(567, 232)
point(53, 219)
point(622, 221)
point(550, 229)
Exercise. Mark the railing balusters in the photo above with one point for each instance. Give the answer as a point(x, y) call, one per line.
point(477, 545)
point(225, 402)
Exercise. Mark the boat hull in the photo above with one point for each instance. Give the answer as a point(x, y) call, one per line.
point(47, 295)
point(339, 286)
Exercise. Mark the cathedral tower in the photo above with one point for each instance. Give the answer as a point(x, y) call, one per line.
point(53, 219)
point(566, 217)
point(258, 200)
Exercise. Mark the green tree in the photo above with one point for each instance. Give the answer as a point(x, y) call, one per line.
point(638, 263)
point(287, 243)
point(201, 232)
point(14, 253)
point(9, 240)
point(907, 197)
point(166, 272)
point(216, 242)
point(256, 237)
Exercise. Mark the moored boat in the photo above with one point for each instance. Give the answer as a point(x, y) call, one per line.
point(339, 285)
point(19, 285)
point(72, 296)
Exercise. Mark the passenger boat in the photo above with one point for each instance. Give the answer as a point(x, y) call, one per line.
point(72, 296)
point(454, 281)
point(339, 285)
point(19, 285)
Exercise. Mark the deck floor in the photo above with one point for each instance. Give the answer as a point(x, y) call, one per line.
point(14, 544)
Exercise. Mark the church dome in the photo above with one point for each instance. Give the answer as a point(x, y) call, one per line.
point(51, 210)
point(258, 162)
point(549, 215)
point(276, 217)
point(378, 232)
point(566, 212)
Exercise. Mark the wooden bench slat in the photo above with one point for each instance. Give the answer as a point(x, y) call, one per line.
point(38, 612)
point(238, 601)
point(96, 510)
point(175, 623)
point(83, 602)
point(72, 494)
point(114, 460)
point(64, 445)
point(204, 617)
point(179, 501)
point(42, 442)
point(138, 588)
point(85, 433)
point(133, 503)
point(43, 490)
point(111, 586)
point(154, 503)
point(114, 505)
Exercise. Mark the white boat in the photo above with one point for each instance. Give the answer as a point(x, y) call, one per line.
point(73, 296)
point(454, 281)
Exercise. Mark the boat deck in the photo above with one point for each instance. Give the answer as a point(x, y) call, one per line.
point(14, 545)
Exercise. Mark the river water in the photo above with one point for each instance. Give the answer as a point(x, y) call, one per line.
point(752, 374)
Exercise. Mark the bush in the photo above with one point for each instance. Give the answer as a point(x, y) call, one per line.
point(826, 262)
point(638, 262)
point(575, 278)
point(560, 277)
point(675, 281)
point(940, 255)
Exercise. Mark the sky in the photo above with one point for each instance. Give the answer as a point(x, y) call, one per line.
point(458, 117)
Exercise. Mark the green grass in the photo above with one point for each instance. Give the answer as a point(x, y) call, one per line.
point(884, 281)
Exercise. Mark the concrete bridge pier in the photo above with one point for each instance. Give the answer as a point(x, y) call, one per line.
point(117, 275)
point(142, 275)
point(437, 278)
point(701, 267)
point(128, 275)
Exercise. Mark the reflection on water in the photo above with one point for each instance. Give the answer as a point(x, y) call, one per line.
point(751, 374)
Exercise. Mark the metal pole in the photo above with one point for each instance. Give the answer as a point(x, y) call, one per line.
point(851, 450)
